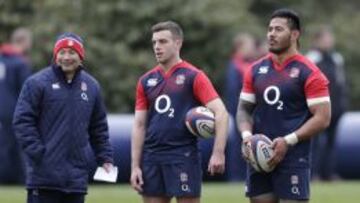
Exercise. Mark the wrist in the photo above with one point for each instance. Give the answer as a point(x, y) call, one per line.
point(245, 134)
point(135, 165)
point(218, 150)
point(291, 139)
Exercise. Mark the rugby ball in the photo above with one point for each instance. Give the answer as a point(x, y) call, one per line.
point(259, 151)
point(200, 121)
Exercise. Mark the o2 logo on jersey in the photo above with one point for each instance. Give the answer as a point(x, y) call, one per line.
point(163, 105)
point(273, 90)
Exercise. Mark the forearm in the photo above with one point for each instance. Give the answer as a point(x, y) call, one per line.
point(244, 121)
point(137, 142)
point(221, 127)
point(316, 124)
point(312, 127)
point(99, 134)
point(103, 149)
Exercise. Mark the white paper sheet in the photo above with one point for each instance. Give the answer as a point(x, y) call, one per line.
point(102, 175)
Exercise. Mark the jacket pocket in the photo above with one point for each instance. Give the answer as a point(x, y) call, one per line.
point(82, 157)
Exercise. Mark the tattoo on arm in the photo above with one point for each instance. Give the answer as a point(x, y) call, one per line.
point(244, 119)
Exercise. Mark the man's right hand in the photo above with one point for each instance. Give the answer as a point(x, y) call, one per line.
point(136, 179)
point(245, 149)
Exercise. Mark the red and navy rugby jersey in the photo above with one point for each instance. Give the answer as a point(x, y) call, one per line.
point(167, 97)
point(283, 94)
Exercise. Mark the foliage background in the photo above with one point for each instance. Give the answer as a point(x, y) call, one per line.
point(117, 37)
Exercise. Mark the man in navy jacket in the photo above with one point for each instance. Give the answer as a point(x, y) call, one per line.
point(60, 120)
point(331, 63)
point(14, 69)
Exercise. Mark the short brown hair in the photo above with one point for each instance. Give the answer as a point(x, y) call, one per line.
point(172, 26)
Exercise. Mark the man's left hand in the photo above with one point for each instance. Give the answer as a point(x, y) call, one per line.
point(216, 163)
point(280, 148)
point(108, 167)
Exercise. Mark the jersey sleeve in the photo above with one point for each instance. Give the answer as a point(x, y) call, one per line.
point(248, 92)
point(203, 89)
point(316, 89)
point(141, 100)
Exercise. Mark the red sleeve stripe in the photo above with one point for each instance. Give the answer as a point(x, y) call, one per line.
point(318, 100)
point(141, 100)
point(249, 97)
point(203, 89)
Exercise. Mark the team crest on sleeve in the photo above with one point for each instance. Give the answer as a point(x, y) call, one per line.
point(263, 69)
point(294, 72)
point(152, 82)
point(83, 86)
point(180, 79)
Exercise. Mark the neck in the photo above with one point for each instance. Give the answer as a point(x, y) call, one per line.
point(69, 76)
point(167, 65)
point(281, 57)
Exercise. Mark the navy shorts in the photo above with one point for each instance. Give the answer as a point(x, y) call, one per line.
point(285, 183)
point(53, 196)
point(180, 179)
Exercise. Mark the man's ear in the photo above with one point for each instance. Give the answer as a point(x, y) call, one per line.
point(179, 43)
point(295, 35)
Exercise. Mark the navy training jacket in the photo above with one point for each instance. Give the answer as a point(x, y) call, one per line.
point(59, 125)
point(13, 72)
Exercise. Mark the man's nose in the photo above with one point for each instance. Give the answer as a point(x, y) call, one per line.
point(271, 33)
point(156, 46)
point(66, 56)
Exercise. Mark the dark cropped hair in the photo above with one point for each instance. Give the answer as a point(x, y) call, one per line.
point(291, 16)
point(172, 26)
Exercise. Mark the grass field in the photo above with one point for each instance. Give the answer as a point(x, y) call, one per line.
point(333, 192)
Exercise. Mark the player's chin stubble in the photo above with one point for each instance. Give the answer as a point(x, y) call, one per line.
point(279, 50)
